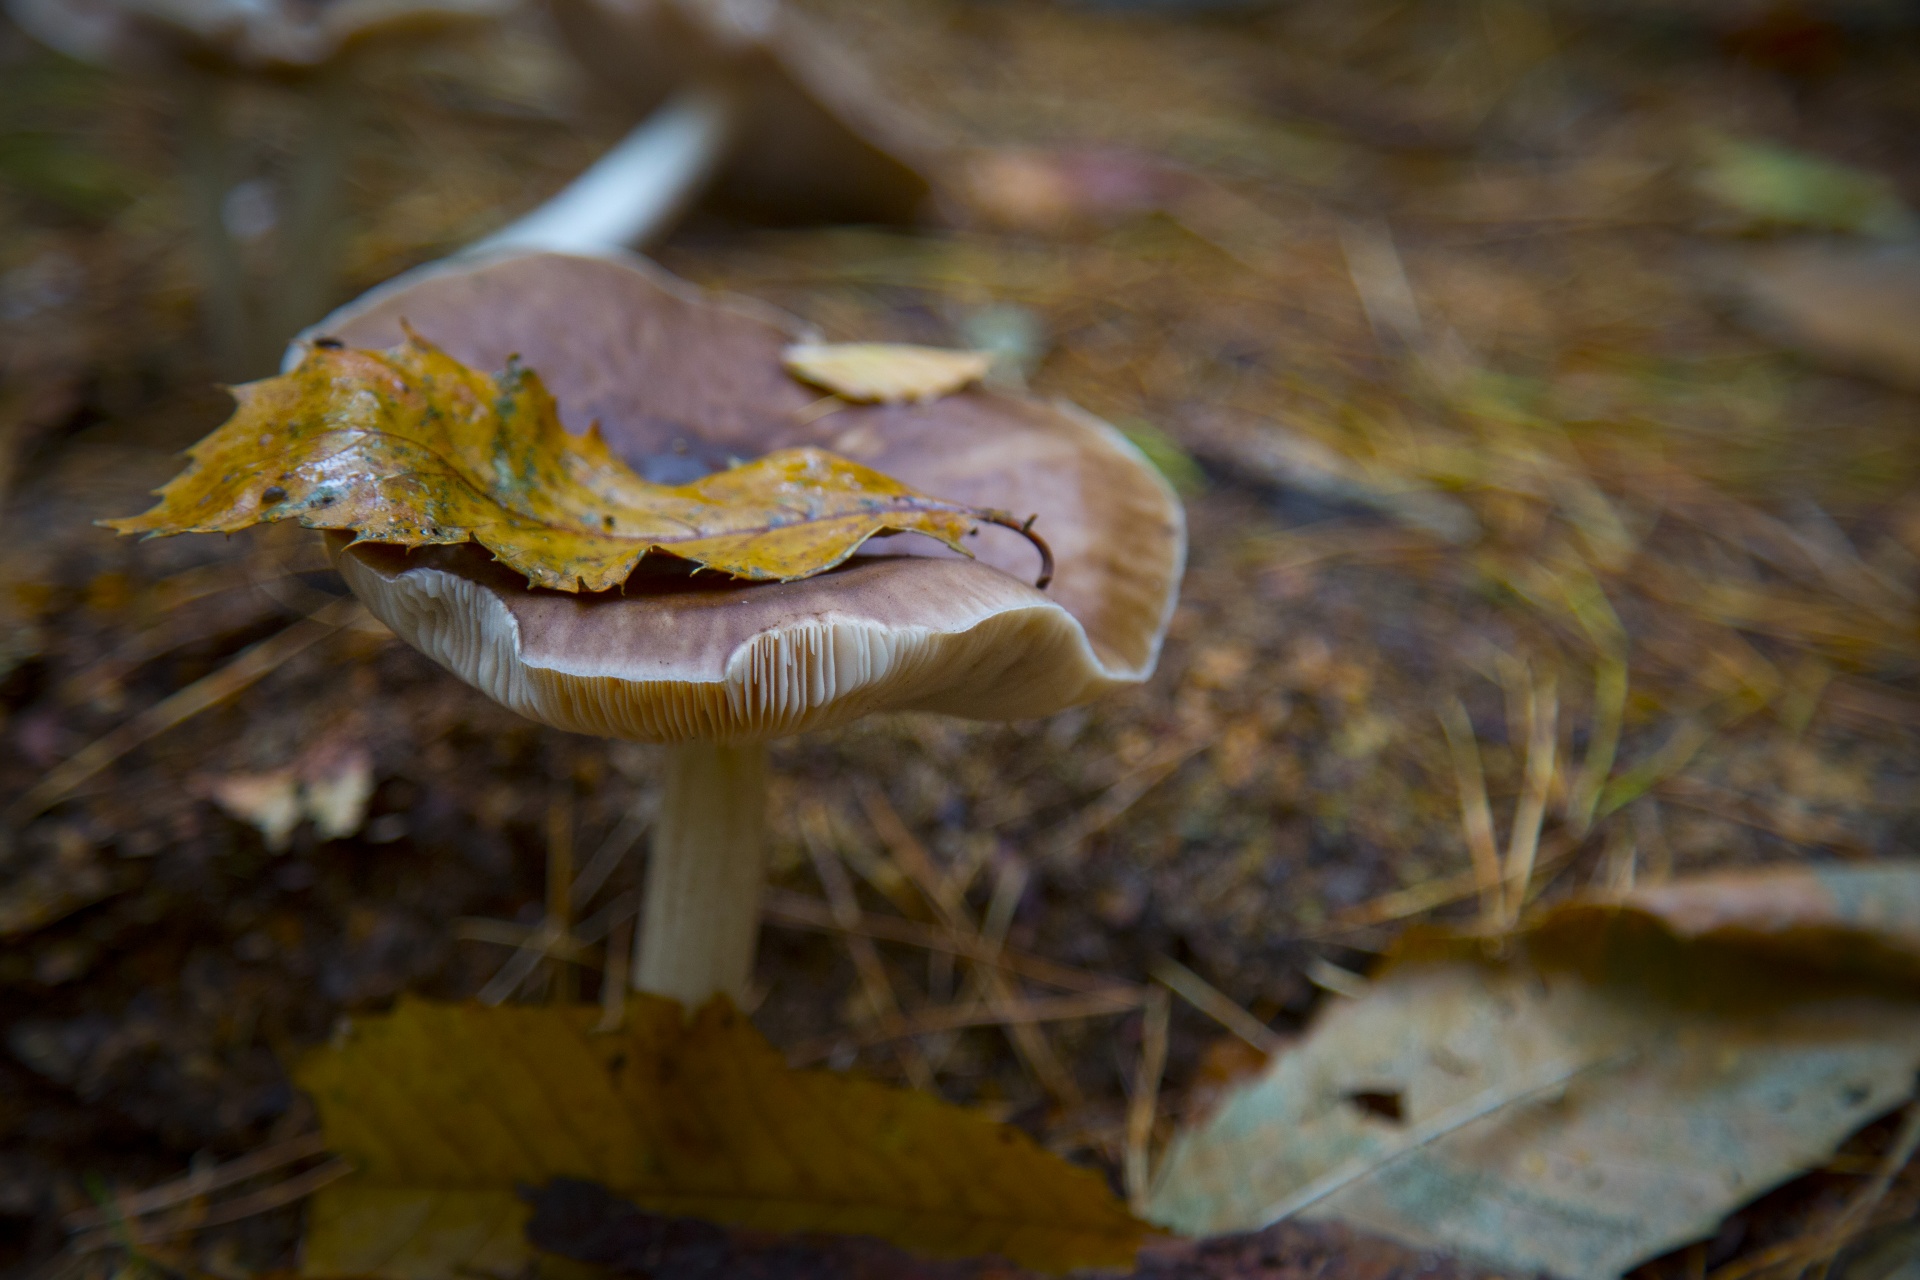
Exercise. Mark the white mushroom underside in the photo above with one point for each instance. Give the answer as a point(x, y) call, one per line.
point(999, 651)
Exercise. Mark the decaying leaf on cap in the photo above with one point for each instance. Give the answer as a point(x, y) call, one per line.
point(413, 448)
point(885, 372)
point(449, 1114)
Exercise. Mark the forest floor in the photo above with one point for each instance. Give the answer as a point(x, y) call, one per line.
point(1434, 313)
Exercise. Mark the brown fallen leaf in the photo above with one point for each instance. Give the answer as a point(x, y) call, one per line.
point(448, 1110)
point(1585, 1095)
point(886, 372)
point(413, 448)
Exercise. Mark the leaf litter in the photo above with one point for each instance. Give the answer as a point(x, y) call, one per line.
point(1752, 540)
point(1586, 1094)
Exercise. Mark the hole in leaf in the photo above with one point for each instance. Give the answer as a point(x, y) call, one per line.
point(1384, 1103)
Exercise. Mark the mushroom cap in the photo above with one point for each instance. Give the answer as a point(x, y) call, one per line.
point(249, 33)
point(680, 382)
point(817, 141)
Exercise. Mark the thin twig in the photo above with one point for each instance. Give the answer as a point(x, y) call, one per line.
point(1144, 1105)
point(612, 851)
point(298, 1187)
point(1196, 991)
point(1028, 1041)
point(199, 1183)
point(1066, 843)
point(797, 911)
point(172, 631)
point(248, 666)
point(912, 857)
point(545, 940)
point(549, 940)
point(1859, 1210)
point(881, 998)
point(1402, 904)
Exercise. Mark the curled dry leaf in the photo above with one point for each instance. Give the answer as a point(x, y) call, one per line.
point(886, 372)
point(450, 1111)
point(411, 447)
point(331, 783)
point(1703, 1042)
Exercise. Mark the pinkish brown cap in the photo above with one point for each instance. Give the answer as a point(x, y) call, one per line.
point(682, 381)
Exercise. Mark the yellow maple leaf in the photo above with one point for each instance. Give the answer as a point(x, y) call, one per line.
point(446, 1109)
point(411, 447)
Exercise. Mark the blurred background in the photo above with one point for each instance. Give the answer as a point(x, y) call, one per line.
point(1543, 380)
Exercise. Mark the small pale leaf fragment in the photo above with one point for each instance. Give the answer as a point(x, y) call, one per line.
point(267, 802)
point(413, 448)
point(447, 1110)
point(886, 372)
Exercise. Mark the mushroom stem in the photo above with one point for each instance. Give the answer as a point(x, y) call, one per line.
point(635, 191)
point(702, 910)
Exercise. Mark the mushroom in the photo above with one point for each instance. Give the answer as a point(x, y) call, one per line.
point(745, 97)
point(682, 382)
point(202, 45)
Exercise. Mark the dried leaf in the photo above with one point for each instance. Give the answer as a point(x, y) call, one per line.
point(267, 802)
point(338, 782)
point(331, 783)
point(1719, 1061)
point(411, 447)
point(886, 372)
point(1763, 185)
point(447, 1109)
